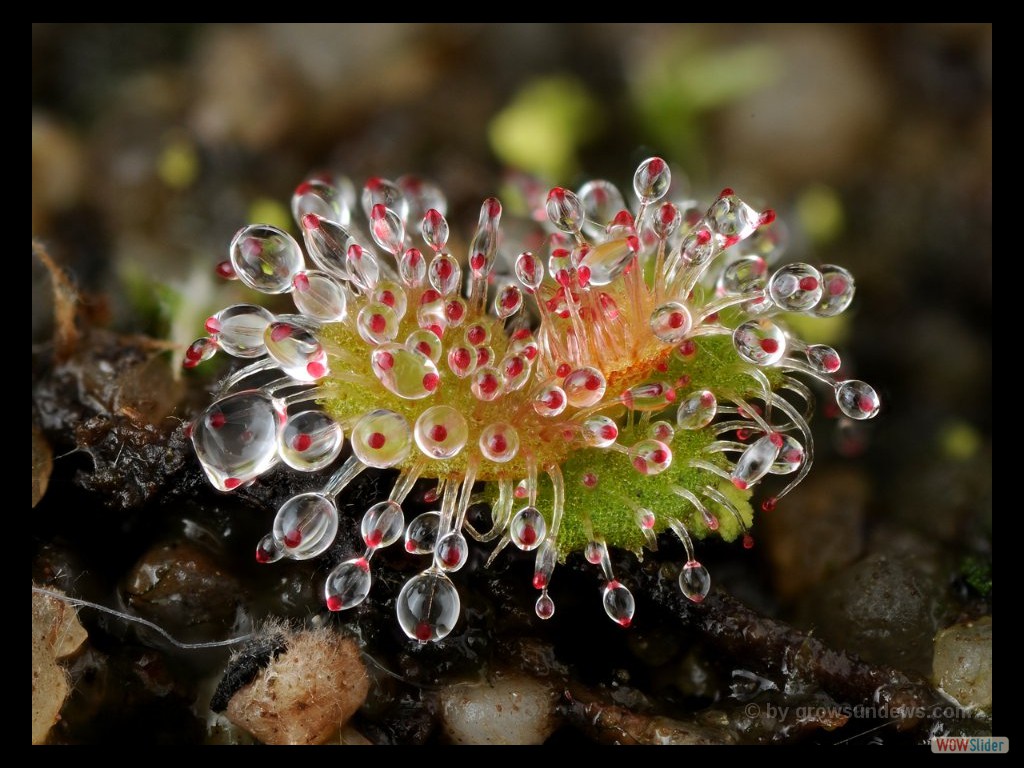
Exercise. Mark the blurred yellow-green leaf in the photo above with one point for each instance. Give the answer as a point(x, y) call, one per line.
point(819, 211)
point(268, 211)
point(541, 130)
point(681, 77)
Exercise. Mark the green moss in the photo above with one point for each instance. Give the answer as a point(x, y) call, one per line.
point(977, 572)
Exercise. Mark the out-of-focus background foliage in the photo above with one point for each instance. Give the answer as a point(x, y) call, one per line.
point(153, 144)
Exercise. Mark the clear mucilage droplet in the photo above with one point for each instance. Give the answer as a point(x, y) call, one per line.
point(412, 268)
point(326, 241)
point(599, 431)
point(545, 606)
point(697, 410)
point(318, 197)
point(515, 369)
point(606, 261)
point(661, 430)
point(391, 295)
point(619, 603)
point(381, 439)
point(362, 266)
point(742, 275)
point(348, 584)
point(791, 456)
point(430, 314)
point(694, 581)
point(434, 229)
point(377, 323)
point(387, 229)
point(407, 374)
point(757, 460)
point(265, 258)
point(671, 321)
point(484, 246)
point(729, 217)
point(421, 534)
point(528, 528)
point(378, 191)
point(239, 329)
point(296, 350)
point(837, 291)
point(305, 525)
point(382, 524)
point(268, 550)
point(451, 551)
point(760, 342)
point(444, 274)
point(441, 432)
point(550, 401)
point(823, 358)
point(584, 386)
point(455, 310)
point(499, 442)
point(529, 270)
point(428, 606)
point(699, 247)
point(199, 351)
point(796, 287)
point(235, 438)
point(309, 441)
point(649, 396)
point(601, 201)
point(650, 457)
point(319, 296)
point(476, 335)
point(565, 210)
point(425, 343)
point(667, 220)
point(487, 383)
point(857, 399)
point(508, 301)
point(652, 180)
point(461, 360)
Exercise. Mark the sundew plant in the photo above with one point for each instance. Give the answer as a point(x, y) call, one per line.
point(631, 375)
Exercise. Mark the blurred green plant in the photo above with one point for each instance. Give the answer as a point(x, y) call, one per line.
point(977, 572)
point(679, 79)
point(543, 127)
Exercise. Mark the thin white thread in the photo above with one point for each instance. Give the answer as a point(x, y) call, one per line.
point(144, 622)
point(199, 646)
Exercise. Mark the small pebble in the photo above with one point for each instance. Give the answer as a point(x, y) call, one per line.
point(509, 710)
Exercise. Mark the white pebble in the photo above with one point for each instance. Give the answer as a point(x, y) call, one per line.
point(509, 710)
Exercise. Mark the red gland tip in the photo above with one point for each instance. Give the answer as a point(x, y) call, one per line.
point(226, 271)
